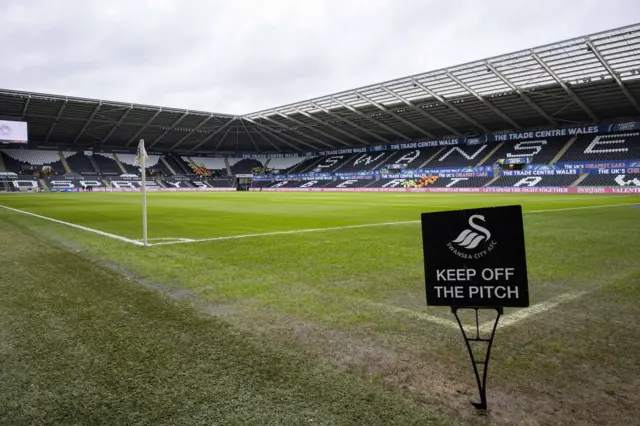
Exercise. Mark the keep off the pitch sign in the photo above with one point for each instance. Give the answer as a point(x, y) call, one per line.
point(475, 258)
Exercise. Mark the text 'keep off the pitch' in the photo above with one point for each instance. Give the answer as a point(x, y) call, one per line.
point(475, 257)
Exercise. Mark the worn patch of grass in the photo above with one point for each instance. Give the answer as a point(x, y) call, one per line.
point(81, 345)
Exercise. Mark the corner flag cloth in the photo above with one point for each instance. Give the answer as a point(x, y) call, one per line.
point(142, 156)
point(141, 159)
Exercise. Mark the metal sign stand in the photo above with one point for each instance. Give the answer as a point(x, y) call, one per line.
point(482, 383)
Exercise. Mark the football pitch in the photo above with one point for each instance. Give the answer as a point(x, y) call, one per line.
point(290, 308)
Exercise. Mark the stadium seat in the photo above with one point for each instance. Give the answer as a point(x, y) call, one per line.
point(612, 180)
point(106, 163)
point(36, 158)
point(604, 147)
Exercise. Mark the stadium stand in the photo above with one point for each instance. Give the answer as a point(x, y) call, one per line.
point(178, 165)
point(366, 161)
point(604, 147)
point(172, 182)
point(300, 184)
point(331, 163)
point(285, 163)
point(34, 158)
point(349, 183)
point(413, 158)
point(612, 180)
point(302, 166)
point(213, 164)
point(538, 151)
point(128, 161)
point(538, 181)
point(80, 163)
point(106, 163)
point(466, 156)
point(220, 183)
point(434, 181)
point(72, 182)
point(244, 166)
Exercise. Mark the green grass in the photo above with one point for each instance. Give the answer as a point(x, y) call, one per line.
point(344, 306)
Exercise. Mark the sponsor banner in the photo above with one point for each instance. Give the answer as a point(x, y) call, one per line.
point(531, 190)
point(273, 155)
point(354, 174)
point(346, 176)
point(8, 175)
point(596, 165)
point(158, 189)
point(494, 137)
point(129, 177)
point(514, 160)
point(417, 175)
point(540, 172)
point(623, 171)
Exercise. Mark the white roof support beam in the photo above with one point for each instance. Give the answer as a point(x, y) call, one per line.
point(226, 133)
point(173, 125)
point(421, 111)
point(613, 74)
point(363, 115)
point(309, 126)
point(321, 142)
point(280, 138)
point(195, 129)
point(53, 125)
point(564, 86)
point(115, 126)
point(255, 145)
point(485, 102)
point(144, 126)
point(337, 129)
point(357, 126)
point(212, 134)
point(86, 124)
point(520, 93)
point(26, 106)
point(395, 115)
point(449, 105)
point(263, 136)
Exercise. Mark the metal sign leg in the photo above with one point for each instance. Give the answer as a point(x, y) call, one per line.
point(481, 382)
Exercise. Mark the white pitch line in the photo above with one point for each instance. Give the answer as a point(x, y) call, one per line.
point(505, 321)
point(516, 317)
point(186, 240)
point(366, 225)
point(580, 208)
point(416, 314)
point(265, 234)
point(73, 225)
point(294, 231)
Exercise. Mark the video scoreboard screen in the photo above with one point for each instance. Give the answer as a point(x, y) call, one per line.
point(13, 132)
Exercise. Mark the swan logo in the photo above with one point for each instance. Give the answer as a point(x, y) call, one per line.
point(474, 242)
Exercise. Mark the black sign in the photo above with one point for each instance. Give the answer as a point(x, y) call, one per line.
point(475, 258)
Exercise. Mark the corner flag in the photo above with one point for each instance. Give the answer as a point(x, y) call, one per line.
point(141, 158)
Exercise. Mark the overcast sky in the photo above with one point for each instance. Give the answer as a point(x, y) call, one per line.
point(240, 56)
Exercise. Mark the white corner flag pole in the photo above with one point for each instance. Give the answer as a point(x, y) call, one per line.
point(142, 157)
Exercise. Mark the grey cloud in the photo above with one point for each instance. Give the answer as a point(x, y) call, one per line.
point(238, 56)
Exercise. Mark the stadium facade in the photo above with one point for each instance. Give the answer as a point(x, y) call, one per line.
point(564, 115)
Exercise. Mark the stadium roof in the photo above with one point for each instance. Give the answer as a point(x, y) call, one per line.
point(587, 79)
